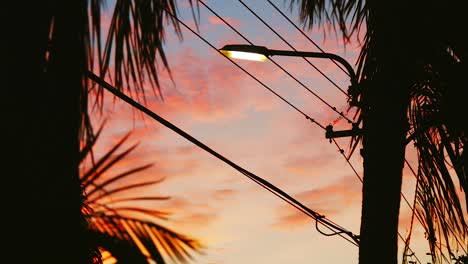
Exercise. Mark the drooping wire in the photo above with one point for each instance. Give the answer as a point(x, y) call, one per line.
point(333, 108)
point(341, 150)
point(279, 66)
point(354, 239)
point(287, 43)
point(307, 37)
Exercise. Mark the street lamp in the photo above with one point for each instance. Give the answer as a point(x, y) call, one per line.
point(260, 53)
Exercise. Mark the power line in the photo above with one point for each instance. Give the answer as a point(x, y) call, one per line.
point(287, 43)
point(284, 40)
point(333, 108)
point(279, 66)
point(228, 24)
point(354, 237)
point(336, 229)
point(307, 37)
point(339, 148)
point(328, 222)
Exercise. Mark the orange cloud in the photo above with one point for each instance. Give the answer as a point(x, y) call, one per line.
point(204, 93)
point(326, 201)
point(189, 215)
point(305, 165)
point(186, 150)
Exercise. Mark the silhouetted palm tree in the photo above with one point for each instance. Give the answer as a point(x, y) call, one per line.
point(411, 71)
point(50, 46)
point(131, 232)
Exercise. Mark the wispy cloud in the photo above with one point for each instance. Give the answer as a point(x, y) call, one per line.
point(327, 201)
point(232, 21)
point(223, 194)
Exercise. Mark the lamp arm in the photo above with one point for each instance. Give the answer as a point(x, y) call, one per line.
point(334, 57)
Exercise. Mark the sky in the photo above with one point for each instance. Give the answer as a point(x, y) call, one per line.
point(220, 105)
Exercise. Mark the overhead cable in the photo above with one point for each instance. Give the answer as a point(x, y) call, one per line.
point(336, 229)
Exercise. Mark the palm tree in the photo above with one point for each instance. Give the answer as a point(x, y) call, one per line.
point(50, 47)
point(410, 71)
point(132, 233)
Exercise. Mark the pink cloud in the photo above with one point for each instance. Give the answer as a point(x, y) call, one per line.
point(327, 201)
point(216, 21)
point(196, 221)
point(303, 165)
point(207, 93)
point(204, 92)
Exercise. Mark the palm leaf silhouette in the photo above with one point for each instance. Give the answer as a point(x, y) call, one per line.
point(129, 232)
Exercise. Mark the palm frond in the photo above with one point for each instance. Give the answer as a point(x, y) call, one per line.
point(129, 199)
point(134, 41)
point(148, 236)
point(107, 193)
point(438, 203)
point(346, 16)
point(116, 178)
point(96, 170)
point(88, 147)
point(104, 209)
point(128, 230)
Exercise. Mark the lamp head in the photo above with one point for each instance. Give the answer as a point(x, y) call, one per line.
point(245, 52)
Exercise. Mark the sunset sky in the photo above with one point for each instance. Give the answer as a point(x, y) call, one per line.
point(217, 103)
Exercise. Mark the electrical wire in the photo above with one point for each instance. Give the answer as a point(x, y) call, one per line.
point(287, 43)
point(336, 143)
point(279, 66)
point(326, 221)
point(336, 229)
point(228, 24)
point(333, 108)
point(349, 121)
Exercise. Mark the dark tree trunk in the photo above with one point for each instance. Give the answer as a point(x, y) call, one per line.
point(385, 126)
point(42, 125)
point(383, 151)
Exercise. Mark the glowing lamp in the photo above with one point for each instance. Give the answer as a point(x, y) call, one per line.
point(245, 52)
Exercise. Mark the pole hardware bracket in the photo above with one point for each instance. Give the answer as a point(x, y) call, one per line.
point(330, 133)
